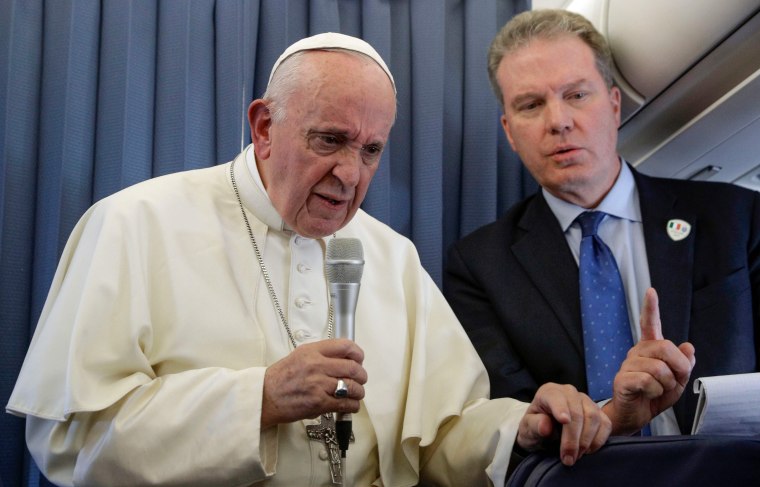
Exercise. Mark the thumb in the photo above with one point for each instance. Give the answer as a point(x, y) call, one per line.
point(651, 327)
point(688, 349)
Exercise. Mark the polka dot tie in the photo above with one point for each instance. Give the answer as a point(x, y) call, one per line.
point(604, 313)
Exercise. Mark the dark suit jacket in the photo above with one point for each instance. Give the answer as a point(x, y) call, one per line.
point(514, 286)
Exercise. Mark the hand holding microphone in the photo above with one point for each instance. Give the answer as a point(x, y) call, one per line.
point(343, 267)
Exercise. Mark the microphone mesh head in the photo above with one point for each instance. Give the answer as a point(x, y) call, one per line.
point(345, 260)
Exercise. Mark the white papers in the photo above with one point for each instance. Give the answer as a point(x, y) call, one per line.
point(728, 405)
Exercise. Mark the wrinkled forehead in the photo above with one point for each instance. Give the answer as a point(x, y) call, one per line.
point(343, 88)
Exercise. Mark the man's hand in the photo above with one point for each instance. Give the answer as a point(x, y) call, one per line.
point(302, 384)
point(652, 377)
point(561, 412)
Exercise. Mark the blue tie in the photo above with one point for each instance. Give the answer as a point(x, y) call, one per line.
point(604, 313)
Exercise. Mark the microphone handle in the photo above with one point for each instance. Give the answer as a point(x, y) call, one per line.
point(344, 296)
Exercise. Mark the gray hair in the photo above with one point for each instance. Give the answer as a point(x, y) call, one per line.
point(547, 24)
point(288, 79)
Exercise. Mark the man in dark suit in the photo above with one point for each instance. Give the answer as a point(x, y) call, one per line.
point(514, 284)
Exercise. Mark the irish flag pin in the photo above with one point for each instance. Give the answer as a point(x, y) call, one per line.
point(678, 229)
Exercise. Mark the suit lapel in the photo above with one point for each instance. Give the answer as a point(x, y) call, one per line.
point(546, 258)
point(670, 262)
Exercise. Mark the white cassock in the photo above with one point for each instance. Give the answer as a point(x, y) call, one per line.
point(147, 365)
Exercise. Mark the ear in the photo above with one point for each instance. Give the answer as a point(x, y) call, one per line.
point(508, 131)
point(260, 120)
point(615, 99)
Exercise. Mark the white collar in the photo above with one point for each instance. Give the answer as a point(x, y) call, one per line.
point(252, 193)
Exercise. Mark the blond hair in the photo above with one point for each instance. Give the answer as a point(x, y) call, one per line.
point(547, 24)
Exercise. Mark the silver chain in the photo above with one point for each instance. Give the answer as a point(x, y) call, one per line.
point(264, 271)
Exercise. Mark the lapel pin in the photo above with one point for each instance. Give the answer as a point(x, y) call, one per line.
point(678, 229)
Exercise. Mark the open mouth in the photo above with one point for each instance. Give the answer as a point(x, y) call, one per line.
point(564, 154)
point(564, 150)
point(332, 201)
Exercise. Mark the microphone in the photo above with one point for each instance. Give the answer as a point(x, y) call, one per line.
point(343, 267)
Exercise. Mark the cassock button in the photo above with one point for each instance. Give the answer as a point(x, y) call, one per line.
point(301, 335)
point(303, 268)
point(323, 454)
point(302, 302)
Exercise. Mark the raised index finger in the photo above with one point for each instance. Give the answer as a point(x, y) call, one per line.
point(651, 327)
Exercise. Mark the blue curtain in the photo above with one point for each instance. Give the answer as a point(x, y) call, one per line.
point(98, 95)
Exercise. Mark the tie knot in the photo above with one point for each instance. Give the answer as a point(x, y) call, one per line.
point(589, 221)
